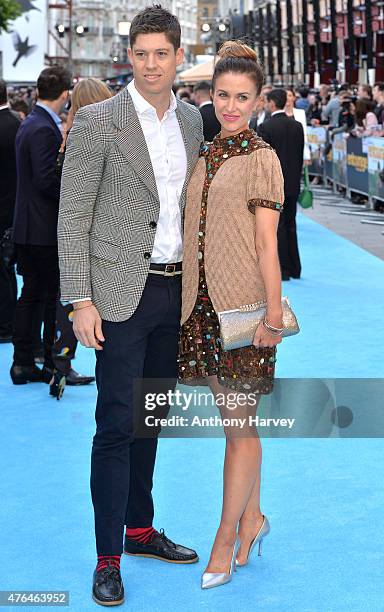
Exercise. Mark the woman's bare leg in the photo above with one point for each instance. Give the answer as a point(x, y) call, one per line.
point(252, 517)
point(241, 467)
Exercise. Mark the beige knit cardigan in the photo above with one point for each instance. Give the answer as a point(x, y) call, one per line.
point(231, 263)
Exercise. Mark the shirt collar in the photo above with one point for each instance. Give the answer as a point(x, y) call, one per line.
point(205, 103)
point(2, 106)
point(143, 106)
point(278, 111)
point(50, 112)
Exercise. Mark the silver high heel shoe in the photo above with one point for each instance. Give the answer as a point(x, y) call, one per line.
point(210, 580)
point(263, 531)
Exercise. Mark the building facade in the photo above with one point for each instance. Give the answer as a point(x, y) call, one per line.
point(317, 40)
point(100, 50)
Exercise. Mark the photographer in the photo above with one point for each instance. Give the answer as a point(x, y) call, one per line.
point(347, 115)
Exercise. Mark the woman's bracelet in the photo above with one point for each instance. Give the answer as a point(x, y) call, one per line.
point(276, 331)
point(82, 307)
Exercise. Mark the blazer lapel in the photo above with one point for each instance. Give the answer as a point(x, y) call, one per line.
point(131, 142)
point(190, 143)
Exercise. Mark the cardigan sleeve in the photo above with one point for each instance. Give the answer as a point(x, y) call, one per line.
point(265, 183)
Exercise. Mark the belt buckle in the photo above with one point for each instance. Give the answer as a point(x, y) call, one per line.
point(171, 271)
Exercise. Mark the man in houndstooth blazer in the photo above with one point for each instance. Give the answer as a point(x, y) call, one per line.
point(125, 175)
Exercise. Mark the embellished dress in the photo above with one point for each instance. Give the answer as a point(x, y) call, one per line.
point(247, 369)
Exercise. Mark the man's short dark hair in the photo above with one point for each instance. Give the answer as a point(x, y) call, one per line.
point(3, 92)
point(279, 97)
point(304, 91)
point(52, 82)
point(379, 85)
point(18, 104)
point(156, 19)
point(202, 86)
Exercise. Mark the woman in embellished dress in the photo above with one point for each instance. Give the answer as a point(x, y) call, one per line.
point(230, 260)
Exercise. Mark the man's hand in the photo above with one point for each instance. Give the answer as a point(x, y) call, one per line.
point(87, 325)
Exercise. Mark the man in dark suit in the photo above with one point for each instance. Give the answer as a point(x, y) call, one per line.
point(35, 223)
point(9, 124)
point(211, 125)
point(287, 138)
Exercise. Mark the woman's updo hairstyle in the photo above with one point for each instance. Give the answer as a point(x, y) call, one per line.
point(236, 56)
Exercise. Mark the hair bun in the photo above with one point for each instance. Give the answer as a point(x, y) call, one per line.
point(236, 48)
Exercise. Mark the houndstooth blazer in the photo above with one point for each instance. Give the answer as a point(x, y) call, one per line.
point(108, 203)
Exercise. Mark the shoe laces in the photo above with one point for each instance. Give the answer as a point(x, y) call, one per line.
point(165, 539)
point(109, 573)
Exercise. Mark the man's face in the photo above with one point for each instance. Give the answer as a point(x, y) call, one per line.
point(200, 97)
point(377, 95)
point(264, 92)
point(362, 94)
point(63, 100)
point(260, 104)
point(154, 62)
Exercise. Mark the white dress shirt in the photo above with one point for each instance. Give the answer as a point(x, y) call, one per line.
point(169, 162)
point(205, 103)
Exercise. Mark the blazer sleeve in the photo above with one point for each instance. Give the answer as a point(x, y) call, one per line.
point(82, 174)
point(43, 152)
point(265, 183)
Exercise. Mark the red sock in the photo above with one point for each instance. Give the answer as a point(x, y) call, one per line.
point(105, 560)
point(141, 535)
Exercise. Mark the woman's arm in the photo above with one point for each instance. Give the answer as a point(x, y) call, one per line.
point(266, 222)
point(265, 198)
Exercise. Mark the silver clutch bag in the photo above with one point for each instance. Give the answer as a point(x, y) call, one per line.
point(238, 327)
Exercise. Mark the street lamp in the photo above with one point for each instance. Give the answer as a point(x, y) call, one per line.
point(217, 30)
point(123, 28)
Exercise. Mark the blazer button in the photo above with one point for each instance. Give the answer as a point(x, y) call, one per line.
point(153, 224)
point(147, 255)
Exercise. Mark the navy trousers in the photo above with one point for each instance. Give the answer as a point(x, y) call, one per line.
point(143, 348)
point(287, 239)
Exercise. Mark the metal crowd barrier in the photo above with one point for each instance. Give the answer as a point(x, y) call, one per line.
point(354, 164)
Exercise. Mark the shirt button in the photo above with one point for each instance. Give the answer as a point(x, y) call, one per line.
point(147, 255)
point(153, 224)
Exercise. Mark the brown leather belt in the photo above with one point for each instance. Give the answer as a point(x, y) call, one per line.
point(172, 269)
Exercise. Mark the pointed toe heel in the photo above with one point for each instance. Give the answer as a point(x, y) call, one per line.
point(210, 580)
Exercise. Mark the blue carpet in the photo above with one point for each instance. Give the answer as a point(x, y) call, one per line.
point(323, 497)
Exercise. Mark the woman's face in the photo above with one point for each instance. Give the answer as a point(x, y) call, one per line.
point(235, 100)
point(290, 99)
